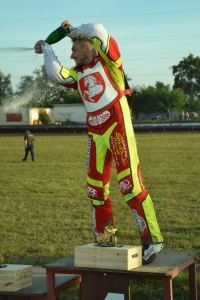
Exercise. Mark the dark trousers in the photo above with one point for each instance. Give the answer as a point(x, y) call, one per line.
point(29, 148)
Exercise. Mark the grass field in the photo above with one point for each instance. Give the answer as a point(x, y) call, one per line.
point(44, 211)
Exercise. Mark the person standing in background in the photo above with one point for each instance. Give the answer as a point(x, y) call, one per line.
point(29, 140)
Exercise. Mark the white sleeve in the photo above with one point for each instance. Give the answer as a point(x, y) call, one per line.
point(53, 66)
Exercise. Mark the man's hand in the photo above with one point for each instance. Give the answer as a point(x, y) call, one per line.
point(37, 46)
point(66, 25)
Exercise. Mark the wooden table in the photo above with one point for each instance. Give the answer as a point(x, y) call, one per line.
point(38, 289)
point(99, 283)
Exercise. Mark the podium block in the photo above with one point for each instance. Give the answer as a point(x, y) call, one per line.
point(15, 277)
point(93, 256)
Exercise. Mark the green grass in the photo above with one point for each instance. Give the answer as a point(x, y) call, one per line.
point(45, 213)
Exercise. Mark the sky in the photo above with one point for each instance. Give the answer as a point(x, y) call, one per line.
point(152, 35)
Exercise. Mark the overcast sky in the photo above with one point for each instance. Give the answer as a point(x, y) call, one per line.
point(152, 35)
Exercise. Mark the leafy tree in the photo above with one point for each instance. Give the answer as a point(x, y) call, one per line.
point(48, 93)
point(43, 87)
point(187, 75)
point(26, 84)
point(192, 103)
point(44, 117)
point(71, 96)
point(39, 90)
point(6, 90)
point(177, 100)
point(51, 93)
point(26, 90)
point(158, 99)
point(169, 99)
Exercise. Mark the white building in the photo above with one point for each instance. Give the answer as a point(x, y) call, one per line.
point(21, 115)
point(75, 113)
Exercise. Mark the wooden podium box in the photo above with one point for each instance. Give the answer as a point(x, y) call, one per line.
point(15, 277)
point(93, 256)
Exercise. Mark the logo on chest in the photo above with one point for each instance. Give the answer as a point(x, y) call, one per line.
point(92, 87)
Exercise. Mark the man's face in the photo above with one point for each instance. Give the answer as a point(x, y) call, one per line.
point(79, 53)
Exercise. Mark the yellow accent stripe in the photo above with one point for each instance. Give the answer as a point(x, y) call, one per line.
point(124, 174)
point(102, 144)
point(150, 215)
point(108, 44)
point(106, 191)
point(97, 202)
point(68, 73)
point(93, 182)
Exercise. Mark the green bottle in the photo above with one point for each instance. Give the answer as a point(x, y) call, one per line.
point(56, 36)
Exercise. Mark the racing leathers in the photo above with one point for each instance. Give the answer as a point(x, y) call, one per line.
point(110, 132)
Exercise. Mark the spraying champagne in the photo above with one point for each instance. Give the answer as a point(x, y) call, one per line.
point(53, 38)
point(16, 49)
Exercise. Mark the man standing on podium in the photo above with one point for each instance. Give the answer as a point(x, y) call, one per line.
point(99, 79)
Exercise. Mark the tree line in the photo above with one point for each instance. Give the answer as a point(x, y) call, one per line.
point(184, 95)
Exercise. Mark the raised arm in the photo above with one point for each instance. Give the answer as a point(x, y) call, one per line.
point(56, 72)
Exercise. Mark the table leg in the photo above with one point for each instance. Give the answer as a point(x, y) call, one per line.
point(167, 289)
point(193, 281)
point(98, 285)
point(51, 293)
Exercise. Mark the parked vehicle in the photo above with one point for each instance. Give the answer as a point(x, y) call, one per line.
point(193, 114)
point(154, 117)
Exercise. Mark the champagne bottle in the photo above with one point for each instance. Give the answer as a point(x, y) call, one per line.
point(56, 36)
